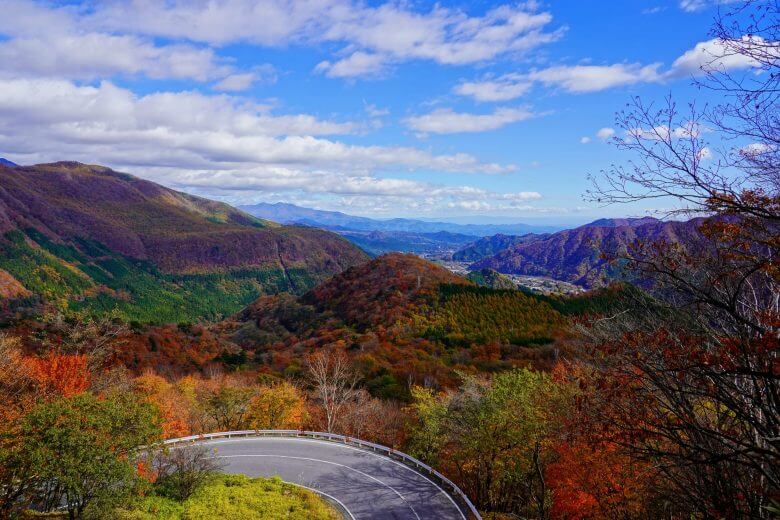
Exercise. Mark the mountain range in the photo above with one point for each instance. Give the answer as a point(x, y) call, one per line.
point(87, 237)
point(290, 213)
point(582, 255)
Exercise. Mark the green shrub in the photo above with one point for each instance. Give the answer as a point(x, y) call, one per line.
point(236, 496)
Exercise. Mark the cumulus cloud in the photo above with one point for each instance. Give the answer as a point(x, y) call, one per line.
point(372, 35)
point(447, 121)
point(710, 55)
point(756, 149)
point(505, 88)
point(605, 133)
point(188, 130)
point(592, 78)
point(584, 140)
point(338, 189)
point(707, 55)
point(221, 146)
point(574, 79)
point(118, 37)
point(97, 55)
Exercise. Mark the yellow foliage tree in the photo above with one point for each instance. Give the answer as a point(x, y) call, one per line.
point(277, 407)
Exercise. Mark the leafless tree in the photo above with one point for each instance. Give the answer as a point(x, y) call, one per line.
point(699, 390)
point(96, 337)
point(334, 383)
point(373, 419)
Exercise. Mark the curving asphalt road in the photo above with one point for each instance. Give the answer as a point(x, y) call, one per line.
point(368, 485)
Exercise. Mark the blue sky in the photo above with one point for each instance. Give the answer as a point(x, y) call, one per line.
point(460, 110)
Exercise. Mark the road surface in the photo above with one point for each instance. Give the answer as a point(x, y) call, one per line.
point(366, 484)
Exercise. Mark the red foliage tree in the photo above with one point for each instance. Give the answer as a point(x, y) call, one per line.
point(63, 375)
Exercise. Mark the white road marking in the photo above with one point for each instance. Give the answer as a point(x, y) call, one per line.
point(326, 462)
point(339, 445)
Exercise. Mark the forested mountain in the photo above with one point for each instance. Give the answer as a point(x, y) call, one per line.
point(406, 319)
point(88, 237)
point(489, 246)
point(491, 278)
point(582, 255)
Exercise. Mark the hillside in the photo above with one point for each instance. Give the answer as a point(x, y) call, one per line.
point(491, 278)
point(401, 318)
point(489, 246)
point(91, 238)
point(577, 255)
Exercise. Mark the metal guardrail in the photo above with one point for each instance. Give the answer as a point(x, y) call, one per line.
point(459, 496)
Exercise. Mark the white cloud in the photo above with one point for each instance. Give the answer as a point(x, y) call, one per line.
point(592, 78)
point(584, 140)
point(97, 55)
point(117, 37)
point(357, 64)
point(375, 111)
point(709, 55)
point(221, 146)
point(605, 133)
point(756, 149)
point(49, 119)
point(372, 35)
point(510, 86)
point(447, 121)
point(235, 82)
point(574, 79)
point(359, 193)
point(522, 196)
point(691, 6)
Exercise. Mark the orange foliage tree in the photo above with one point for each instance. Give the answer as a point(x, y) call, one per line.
point(63, 375)
point(596, 480)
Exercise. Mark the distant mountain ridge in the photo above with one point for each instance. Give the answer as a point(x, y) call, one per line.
point(577, 255)
point(6, 162)
point(290, 213)
point(619, 222)
point(100, 239)
point(489, 246)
